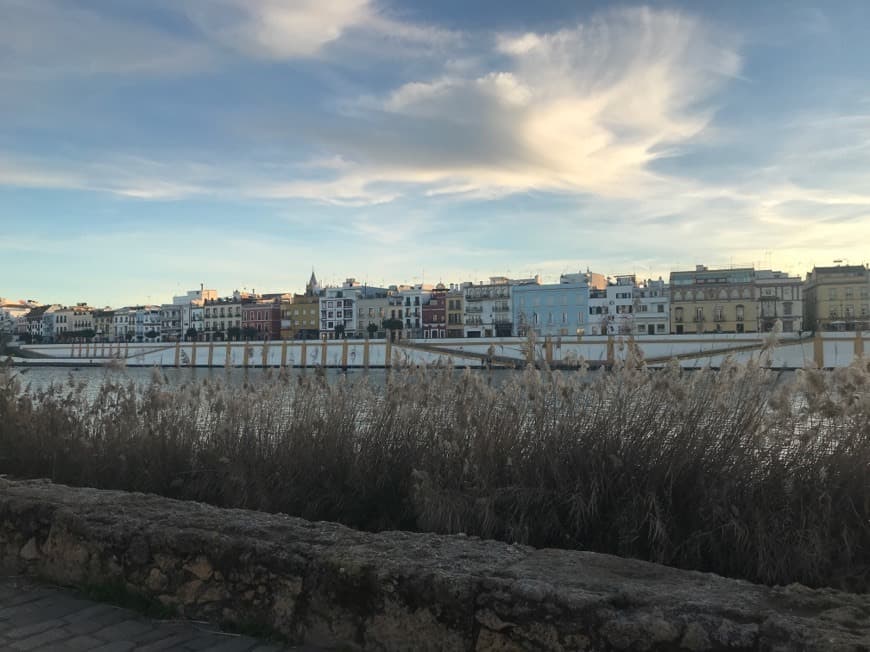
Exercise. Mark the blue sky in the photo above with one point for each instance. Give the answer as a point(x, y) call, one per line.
point(146, 147)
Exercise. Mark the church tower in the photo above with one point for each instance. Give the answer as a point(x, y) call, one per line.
point(312, 288)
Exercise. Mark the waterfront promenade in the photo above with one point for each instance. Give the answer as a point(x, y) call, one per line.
point(45, 618)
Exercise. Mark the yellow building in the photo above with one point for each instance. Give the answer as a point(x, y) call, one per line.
point(300, 317)
point(837, 298)
point(713, 301)
point(455, 323)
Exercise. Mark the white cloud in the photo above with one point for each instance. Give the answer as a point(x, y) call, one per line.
point(582, 110)
point(276, 29)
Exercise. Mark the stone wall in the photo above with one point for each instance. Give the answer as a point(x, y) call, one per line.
point(327, 584)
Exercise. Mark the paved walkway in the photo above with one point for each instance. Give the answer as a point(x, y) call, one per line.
point(41, 618)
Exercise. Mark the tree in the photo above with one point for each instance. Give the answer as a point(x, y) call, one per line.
point(339, 331)
point(249, 333)
point(372, 329)
point(152, 334)
point(393, 324)
point(191, 333)
point(234, 333)
point(217, 336)
point(5, 339)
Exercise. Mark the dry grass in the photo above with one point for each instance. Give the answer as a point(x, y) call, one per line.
point(730, 471)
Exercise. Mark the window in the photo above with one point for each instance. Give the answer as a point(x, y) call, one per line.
point(740, 316)
point(564, 317)
point(660, 307)
point(787, 308)
point(660, 328)
point(718, 313)
point(678, 314)
point(699, 314)
point(832, 294)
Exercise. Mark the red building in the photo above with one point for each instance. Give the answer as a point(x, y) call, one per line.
point(261, 319)
point(435, 315)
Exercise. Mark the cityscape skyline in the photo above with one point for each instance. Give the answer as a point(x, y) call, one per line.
point(145, 148)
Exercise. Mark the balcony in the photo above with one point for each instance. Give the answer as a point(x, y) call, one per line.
point(473, 309)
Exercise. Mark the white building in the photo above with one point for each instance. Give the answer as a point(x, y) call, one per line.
point(147, 323)
point(192, 314)
point(124, 321)
point(412, 299)
point(626, 307)
point(170, 322)
point(780, 297)
point(338, 310)
point(488, 306)
point(11, 313)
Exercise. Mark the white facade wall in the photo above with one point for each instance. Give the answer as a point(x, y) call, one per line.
point(780, 297)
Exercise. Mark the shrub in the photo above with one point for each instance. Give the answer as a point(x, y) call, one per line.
point(737, 471)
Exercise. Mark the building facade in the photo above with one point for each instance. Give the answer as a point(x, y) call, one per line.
point(371, 313)
point(837, 298)
point(222, 318)
point(713, 301)
point(625, 306)
point(434, 313)
point(104, 325)
point(551, 309)
point(261, 319)
point(455, 312)
point(780, 299)
point(487, 310)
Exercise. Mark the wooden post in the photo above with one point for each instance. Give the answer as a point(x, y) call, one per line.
point(323, 346)
point(72, 349)
point(210, 353)
point(388, 350)
point(193, 353)
point(265, 353)
point(303, 355)
point(126, 350)
point(366, 354)
point(548, 350)
point(859, 344)
point(819, 351)
point(87, 349)
point(246, 352)
point(344, 347)
point(610, 351)
point(283, 353)
point(228, 355)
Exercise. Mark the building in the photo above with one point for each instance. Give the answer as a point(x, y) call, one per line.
point(104, 325)
point(261, 318)
point(837, 298)
point(124, 324)
point(192, 313)
point(780, 298)
point(339, 310)
point(146, 324)
point(371, 313)
point(713, 301)
point(624, 306)
point(11, 312)
point(553, 309)
point(170, 322)
point(488, 306)
point(413, 297)
point(300, 314)
point(222, 318)
point(455, 312)
point(435, 314)
point(31, 327)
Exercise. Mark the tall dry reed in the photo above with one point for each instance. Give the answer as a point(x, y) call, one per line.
point(735, 471)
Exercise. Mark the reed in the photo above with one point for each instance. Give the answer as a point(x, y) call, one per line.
point(734, 471)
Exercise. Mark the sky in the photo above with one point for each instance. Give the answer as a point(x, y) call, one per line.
point(148, 147)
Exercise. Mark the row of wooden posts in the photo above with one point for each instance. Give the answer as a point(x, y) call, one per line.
point(121, 350)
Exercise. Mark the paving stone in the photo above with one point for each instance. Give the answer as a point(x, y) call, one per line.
point(29, 629)
point(38, 641)
point(116, 646)
point(81, 643)
point(36, 618)
point(125, 630)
